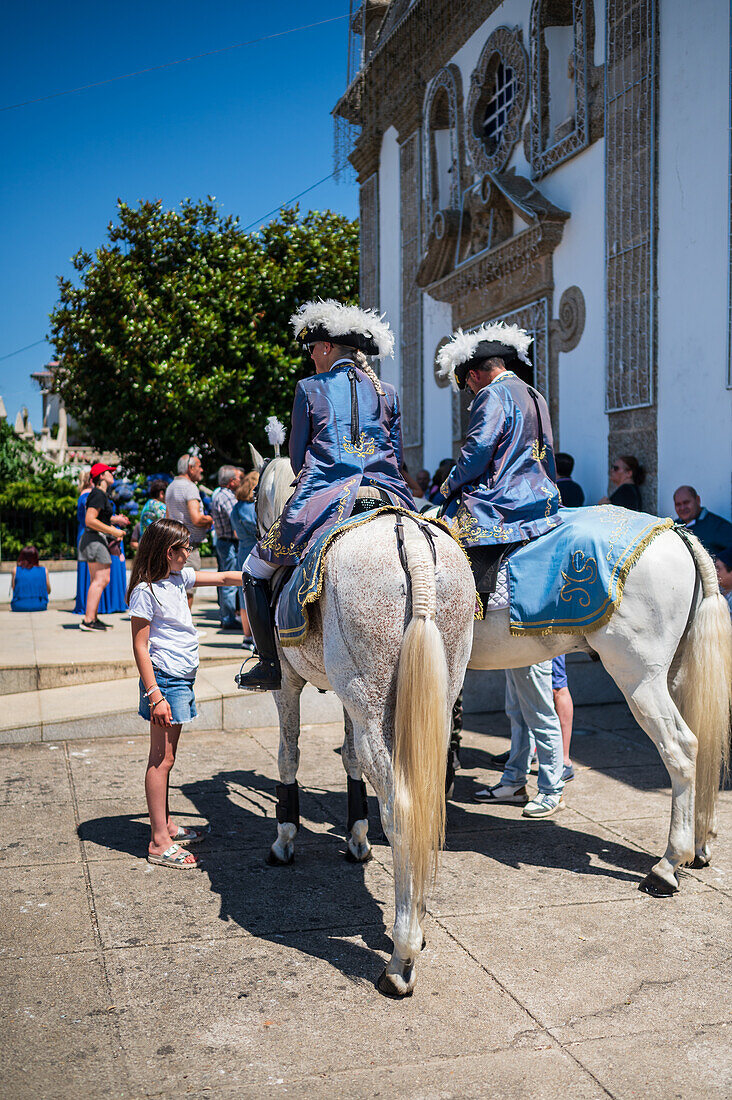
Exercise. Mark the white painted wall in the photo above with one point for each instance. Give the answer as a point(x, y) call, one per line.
point(389, 239)
point(578, 186)
point(694, 405)
point(437, 408)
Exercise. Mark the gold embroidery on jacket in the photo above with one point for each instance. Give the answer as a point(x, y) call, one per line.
point(536, 454)
point(364, 447)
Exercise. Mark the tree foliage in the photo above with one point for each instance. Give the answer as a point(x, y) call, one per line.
point(36, 505)
point(175, 331)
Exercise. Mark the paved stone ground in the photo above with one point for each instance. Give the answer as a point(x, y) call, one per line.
point(546, 974)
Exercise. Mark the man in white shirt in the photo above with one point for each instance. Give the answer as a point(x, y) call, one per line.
point(183, 502)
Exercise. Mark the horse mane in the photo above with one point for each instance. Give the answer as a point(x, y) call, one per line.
point(273, 491)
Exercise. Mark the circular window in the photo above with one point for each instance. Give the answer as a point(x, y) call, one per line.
point(497, 100)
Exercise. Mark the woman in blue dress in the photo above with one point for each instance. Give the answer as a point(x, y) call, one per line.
point(29, 583)
point(346, 433)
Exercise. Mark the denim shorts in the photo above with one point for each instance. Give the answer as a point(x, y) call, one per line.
point(179, 694)
point(559, 673)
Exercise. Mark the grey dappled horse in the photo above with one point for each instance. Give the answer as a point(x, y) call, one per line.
point(394, 649)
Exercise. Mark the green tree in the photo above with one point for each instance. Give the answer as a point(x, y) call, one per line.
point(175, 331)
point(36, 504)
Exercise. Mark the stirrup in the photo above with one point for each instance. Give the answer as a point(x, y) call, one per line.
point(265, 676)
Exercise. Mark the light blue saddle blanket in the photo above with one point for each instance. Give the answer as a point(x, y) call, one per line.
point(571, 579)
point(303, 587)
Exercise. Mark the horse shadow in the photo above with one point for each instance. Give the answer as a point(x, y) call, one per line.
point(550, 845)
point(321, 904)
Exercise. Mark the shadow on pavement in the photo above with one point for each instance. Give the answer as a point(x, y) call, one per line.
point(517, 842)
point(320, 892)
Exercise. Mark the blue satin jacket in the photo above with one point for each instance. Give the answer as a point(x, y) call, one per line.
point(344, 435)
point(502, 488)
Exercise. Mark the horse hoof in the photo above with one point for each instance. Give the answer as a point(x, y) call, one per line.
point(274, 860)
point(701, 861)
point(657, 887)
point(385, 986)
point(351, 858)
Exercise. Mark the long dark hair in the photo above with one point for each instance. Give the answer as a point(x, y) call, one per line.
point(637, 471)
point(151, 560)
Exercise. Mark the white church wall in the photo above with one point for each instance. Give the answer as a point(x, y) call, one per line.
point(578, 186)
point(389, 240)
point(436, 323)
point(694, 405)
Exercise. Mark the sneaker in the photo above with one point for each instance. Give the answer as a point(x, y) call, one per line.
point(104, 626)
point(543, 805)
point(84, 625)
point(248, 643)
point(568, 773)
point(508, 796)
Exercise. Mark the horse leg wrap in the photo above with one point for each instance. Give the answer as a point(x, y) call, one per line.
point(358, 804)
point(288, 804)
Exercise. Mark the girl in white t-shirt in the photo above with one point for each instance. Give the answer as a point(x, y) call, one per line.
point(165, 644)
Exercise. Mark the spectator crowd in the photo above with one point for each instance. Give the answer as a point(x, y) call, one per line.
point(226, 517)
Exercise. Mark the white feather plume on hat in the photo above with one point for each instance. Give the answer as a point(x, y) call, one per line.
point(340, 320)
point(461, 348)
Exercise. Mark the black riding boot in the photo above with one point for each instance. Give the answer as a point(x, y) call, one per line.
point(266, 675)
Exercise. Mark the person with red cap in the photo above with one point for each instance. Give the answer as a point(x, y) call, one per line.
point(94, 543)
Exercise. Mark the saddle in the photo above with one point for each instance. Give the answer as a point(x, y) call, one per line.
point(486, 562)
point(368, 498)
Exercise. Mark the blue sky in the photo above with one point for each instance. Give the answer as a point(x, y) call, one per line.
point(251, 126)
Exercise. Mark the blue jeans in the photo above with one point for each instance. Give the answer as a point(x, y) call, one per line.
point(226, 557)
point(530, 709)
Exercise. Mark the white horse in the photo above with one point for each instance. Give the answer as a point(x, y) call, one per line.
point(668, 647)
point(394, 648)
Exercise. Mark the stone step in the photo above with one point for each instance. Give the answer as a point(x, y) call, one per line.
point(47, 650)
point(109, 709)
point(18, 678)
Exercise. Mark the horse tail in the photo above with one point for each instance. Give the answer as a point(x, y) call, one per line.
point(421, 722)
point(703, 687)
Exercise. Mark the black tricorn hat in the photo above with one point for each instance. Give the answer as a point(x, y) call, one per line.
point(486, 349)
point(353, 327)
point(361, 341)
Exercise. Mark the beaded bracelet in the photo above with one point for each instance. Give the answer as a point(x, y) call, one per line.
point(161, 700)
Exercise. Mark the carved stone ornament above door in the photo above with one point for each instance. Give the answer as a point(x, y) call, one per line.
point(477, 255)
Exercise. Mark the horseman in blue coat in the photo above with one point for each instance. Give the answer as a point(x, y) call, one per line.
point(502, 490)
point(345, 437)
